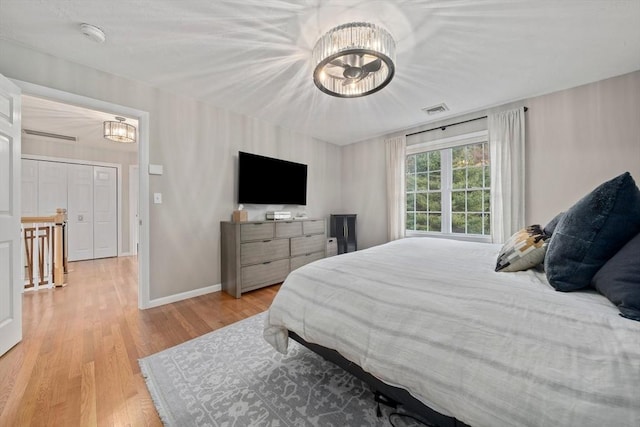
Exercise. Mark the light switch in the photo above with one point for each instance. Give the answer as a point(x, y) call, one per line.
point(157, 198)
point(155, 169)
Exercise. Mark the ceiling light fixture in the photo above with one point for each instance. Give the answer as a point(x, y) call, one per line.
point(353, 60)
point(93, 33)
point(119, 131)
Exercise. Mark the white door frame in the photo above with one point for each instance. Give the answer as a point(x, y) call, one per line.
point(134, 170)
point(143, 162)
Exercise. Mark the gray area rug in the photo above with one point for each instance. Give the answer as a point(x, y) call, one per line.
point(233, 377)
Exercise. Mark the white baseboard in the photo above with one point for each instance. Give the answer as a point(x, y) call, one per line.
point(183, 296)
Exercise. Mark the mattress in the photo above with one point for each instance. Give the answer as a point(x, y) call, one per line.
point(490, 349)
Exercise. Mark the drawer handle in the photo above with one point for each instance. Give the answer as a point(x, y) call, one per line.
point(268, 262)
point(266, 241)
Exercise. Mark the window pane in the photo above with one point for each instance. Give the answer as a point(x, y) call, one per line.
point(459, 179)
point(421, 202)
point(421, 182)
point(435, 222)
point(411, 182)
point(487, 201)
point(434, 161)
point(411, 200)
point(475, 155)
point(458, 223)
point(458, 157)
point(474, 201)
point(474, 177)
point(421, 222)
point(487, 224)
point(434, 181)
point(487, 177)
point(410, 219)
point(457, 201)
point(435, 204)
point(422, 162)
point(474, 223)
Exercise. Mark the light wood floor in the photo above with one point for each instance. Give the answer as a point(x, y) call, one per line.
point(77, 364)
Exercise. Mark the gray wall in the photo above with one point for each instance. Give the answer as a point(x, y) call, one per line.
point(198, 145)
point(575, 138)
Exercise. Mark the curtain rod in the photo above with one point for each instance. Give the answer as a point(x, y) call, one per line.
point(443, 127)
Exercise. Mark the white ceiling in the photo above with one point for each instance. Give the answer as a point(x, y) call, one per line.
point(253, 56)
point(44, 115)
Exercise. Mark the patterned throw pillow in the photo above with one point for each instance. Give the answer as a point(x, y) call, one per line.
point(524, 250)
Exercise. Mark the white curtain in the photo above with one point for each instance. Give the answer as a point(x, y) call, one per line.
point(506, 146)
point(395, 149)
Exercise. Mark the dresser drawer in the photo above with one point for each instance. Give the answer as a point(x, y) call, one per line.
point(299, 261)
point(267, 250)
point(256, 231)
point(258, 275)
point(315, 226)
point(288, 228)
point(307, 244)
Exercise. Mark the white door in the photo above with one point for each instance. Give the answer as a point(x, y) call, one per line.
point(105, 220)
point(10, 271)
point(80, 212)
point(52, 187)
point(29, 189)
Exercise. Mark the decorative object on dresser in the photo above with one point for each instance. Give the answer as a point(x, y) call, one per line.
point(240, 215)
point(343, 228)
point(256, 254)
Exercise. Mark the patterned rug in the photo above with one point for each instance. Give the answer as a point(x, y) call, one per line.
point(233, 377)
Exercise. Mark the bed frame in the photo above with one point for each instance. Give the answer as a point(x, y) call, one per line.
point(412, 405)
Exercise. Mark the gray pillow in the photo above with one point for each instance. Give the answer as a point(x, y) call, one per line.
point(551, 225)
point(591, 232)
point(619, 279)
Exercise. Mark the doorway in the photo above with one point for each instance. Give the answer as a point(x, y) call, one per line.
point(142, 117)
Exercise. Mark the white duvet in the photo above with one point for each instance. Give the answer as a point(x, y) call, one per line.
point(491, 349)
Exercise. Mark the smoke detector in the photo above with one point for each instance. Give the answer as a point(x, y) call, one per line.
point(93, 33)
point(436, 109)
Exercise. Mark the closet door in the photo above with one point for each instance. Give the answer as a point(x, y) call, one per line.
point(29, 188)
point(52, 187)
point(80, 212)
point(105, 224)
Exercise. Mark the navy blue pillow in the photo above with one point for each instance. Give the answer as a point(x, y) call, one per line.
point(591, 232)
point(619, 279)
point(551, 225)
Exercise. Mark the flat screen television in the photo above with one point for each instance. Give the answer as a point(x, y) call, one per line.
point(269, 181)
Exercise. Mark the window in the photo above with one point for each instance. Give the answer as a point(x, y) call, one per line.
point(448, 189)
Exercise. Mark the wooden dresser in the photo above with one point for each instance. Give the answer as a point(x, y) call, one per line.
point(262, 253)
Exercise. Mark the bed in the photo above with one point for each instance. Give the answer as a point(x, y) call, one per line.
point(432, 318)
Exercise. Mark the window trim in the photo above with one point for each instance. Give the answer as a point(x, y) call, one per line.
point(444, 144)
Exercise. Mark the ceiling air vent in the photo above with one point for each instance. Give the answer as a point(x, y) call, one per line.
point(49, 135)
point(436, 109)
